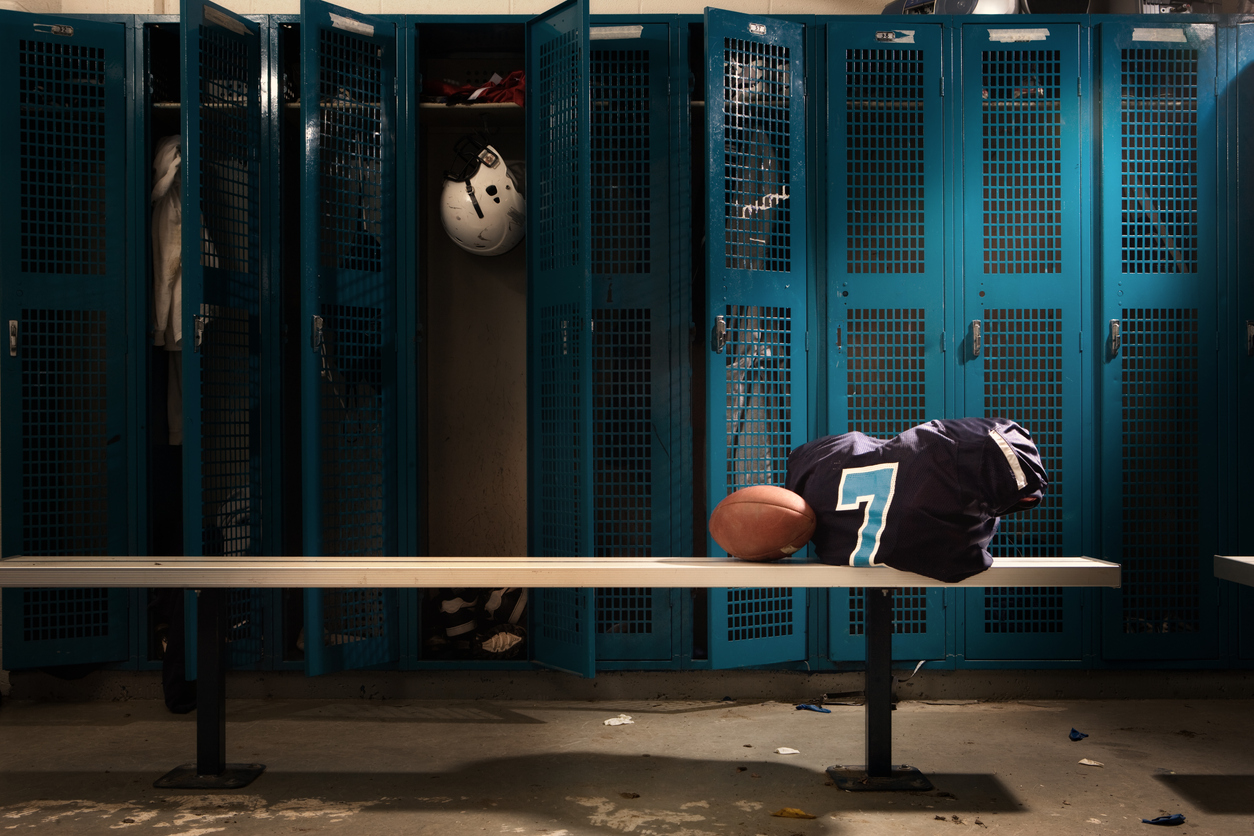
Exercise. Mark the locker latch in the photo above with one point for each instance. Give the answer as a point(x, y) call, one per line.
point(1249, 338)
point(718, 339)
point(315, 335)
point(12, 337)
point(198, 331)
point(977, 340)
point(1115, 338)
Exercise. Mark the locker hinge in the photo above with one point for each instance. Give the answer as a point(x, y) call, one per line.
point(1249, 337)
point(1079, 87)
point(944, 346)
point(718, 339)
point(396, 90)
point(942, 86)
point(807, 340)
point(198, 331)
point(12, 337)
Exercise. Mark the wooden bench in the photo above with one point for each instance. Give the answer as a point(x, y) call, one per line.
point(212, 576)
point(1236, 569)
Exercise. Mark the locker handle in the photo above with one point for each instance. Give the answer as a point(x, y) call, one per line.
point(977, 341)
point(1115, 338)
point(198, 329)
point(12, 337)
point(718, 339)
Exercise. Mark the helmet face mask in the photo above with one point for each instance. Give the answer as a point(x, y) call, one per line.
point(482, 206)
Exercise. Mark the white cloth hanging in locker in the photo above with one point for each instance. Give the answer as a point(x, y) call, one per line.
point(167, 270)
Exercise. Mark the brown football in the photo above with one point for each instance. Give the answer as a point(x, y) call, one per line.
point(762, 522)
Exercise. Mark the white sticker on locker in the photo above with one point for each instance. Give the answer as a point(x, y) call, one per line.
point(350, 25)
point(897, 36)
point(1165, 36)
point(614, 33)
point(757, 28)
point(1012, 36)
point(220, 18)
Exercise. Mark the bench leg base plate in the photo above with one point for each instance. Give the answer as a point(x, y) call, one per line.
point(233, 777)
point(855, 779)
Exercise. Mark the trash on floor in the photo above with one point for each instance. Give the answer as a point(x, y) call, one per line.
point(1173, 819)
point(805, 706)
point(785, 750)
point(620, 720)
point(1088, 762)
point(1077, 735)
point(792, 813)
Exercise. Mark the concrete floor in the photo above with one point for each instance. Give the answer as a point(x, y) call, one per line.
point(682, 768)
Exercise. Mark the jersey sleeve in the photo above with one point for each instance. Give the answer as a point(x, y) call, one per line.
point(1012, 473)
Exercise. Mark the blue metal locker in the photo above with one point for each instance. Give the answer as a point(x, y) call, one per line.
point(640, 365)
point(1157, 337)
point(222, 257)
point(886, 233)
point(1022, 307)
point(63, 391)
point(1241, 321)
point(756, 283)
point(350, 434)
point(560, 337)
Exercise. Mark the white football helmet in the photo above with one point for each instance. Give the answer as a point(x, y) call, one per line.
point(484, 208)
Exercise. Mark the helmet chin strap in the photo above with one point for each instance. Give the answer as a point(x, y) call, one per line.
point(470, 191)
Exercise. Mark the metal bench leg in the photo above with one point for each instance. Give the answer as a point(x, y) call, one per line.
point(211, 771)
point(879, 773)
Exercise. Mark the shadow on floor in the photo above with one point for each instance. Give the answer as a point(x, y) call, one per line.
point(1213, 793)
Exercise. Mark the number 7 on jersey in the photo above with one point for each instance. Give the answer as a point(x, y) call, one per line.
point(870, 488)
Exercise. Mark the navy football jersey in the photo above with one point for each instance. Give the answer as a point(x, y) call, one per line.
point(927, 501)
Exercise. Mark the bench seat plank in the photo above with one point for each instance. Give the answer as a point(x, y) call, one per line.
point(1236, 569)
point(404, 572)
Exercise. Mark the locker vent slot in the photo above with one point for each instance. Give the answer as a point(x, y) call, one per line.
point(884, 160)
point(885, 383)
point(1017, 609)
point(559, 614)
point(350, 157)
point(621, 161)
point(1161, 448)
point(759, 613)
point(64, 414)
point(54, 614)
point(1158, 132)
point(758, 394)
point(560, 431)
point(555, 195)
point(622, 443)
point(757, 162)
point(229, 139)
point(61, 158)
point(1021, 135)
point(909, 611)
point(624, 610)
point(1023, 379)
point(229, 395)
point(353, 414)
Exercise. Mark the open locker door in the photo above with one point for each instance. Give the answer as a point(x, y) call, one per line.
point(756, 280)
point(63, 385)
point(349, 392)
point(886, 274)
point(221, 323)
point(559, 311)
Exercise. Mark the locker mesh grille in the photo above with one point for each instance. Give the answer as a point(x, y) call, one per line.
point(61, 158)
point(1161, 507)
point(1023, 378)
point(560, 612)
point(353, 615)
point(64, 414)
point(55, 614)
point(621, 162)
point(353, 413)
point(757, 161)
point(229, 139)
point(622, 443)
point(555, 194)
point(350, 156)
point(625, 610)
point(560, 431)
point(229, 394)
point(884, 160)
point(1158, 155)
point(1021, 140)
point(759, 613)
point(758, 394)
point(885, 380)
point(909, 611)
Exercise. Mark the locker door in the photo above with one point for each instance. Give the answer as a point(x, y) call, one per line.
point(63, 384)
point(756, 301)
point(349, 431)
point(1022, 311)
point(1242, 324)
point(1158, 381)
point(560, 337)
point(637, 373)
point(886, 273)
point(222, 490)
